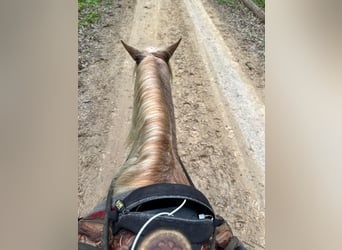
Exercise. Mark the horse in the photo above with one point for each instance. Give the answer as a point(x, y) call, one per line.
point(153, 177)
point(152, 140)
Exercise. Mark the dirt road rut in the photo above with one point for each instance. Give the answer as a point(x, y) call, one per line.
point(219, 112)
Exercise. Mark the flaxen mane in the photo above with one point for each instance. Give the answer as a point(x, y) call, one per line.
point(153, 156)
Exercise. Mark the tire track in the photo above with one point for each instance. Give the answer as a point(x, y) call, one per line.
point(244, 104)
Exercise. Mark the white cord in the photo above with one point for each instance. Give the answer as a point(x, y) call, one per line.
point(151, 219)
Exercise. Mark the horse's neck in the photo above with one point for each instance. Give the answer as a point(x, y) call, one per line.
point(153, 157)
point(153, 132)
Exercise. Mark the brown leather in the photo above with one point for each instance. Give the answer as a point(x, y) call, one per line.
point(223, 236)
point(122, 240)
point(90, 232)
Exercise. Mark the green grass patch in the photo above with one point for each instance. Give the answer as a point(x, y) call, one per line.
point(89, 18)
point(260, 3)
point(232, 2)
point(82, 4)
point(88, 12)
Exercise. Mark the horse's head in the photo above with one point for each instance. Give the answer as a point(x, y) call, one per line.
point(139, 55)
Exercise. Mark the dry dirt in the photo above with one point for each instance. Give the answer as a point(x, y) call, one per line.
point(220, 151)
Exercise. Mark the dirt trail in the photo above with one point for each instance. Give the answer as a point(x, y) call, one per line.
point(219, 153)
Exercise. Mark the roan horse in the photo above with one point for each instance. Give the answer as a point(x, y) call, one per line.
point(147, 191)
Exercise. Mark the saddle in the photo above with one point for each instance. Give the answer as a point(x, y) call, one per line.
point(195, 219)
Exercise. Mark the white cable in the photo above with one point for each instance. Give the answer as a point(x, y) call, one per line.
point(176, 210)
point(151, 219)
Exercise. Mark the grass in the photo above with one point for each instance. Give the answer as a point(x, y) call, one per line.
point(88, 12)
point(82, 4)
point(260, 3)
point(232, 2)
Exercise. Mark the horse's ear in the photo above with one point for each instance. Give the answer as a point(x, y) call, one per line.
point(171, 49)
point(168, 52)
point(135, 54)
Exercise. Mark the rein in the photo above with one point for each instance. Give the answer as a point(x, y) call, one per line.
point(186, 173)
point(108, 211)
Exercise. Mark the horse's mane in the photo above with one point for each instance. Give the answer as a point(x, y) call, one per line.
point(152, 139)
